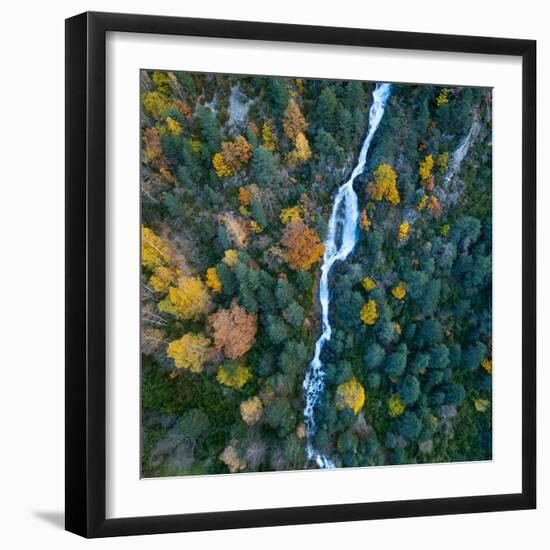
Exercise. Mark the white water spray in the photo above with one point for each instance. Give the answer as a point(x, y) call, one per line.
point(340, 242)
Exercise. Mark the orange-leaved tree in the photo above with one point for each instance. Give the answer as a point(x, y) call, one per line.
point(294, 121)
point(234, 330)
point(233, 156)
point(303, 247)
point(365, 222)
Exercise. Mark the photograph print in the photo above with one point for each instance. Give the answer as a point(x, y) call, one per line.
point(316, 273)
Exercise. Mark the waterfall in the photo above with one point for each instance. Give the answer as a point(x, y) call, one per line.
point(340, 242)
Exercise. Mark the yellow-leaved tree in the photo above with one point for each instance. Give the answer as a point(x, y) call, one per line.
point(422, 203)
point(163, 278)
point(443, 161)
point(425, 168)
point(443, 97)
point(154, 251)
point(233, 375)
point(251, 410)
point(350, 394)
point(233, 156)
point(369, 313)
point(403, 231)
point(173, 126)
point(291, 214)
point(269, 141)
point(400, 290)
point(155, 103)
point(301, 152)
point(189, 352)
point(487, 364)
point(384, 185)
point(368, 284)
point(395, 406)
point(212, 280)
point(230, 257)
point(189, 300)
point(481, 405)
point(221, 168)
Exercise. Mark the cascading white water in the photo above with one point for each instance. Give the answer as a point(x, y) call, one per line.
point(342, 227)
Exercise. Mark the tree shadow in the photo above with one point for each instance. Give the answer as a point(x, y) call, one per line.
point(55, 518)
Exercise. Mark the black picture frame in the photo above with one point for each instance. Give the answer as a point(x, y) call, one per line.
point(86, 274)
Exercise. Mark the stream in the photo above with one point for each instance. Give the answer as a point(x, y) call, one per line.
point(339, 244)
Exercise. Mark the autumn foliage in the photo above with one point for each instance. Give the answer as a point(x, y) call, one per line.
point(384, 185)
point(443, 97)
point(294, 122)
point(291, 214)
point(188, 300)
point(233, 375)
point(251, 410)
point(368, 284)
point(434, 206)
point(154, 251)
point(400, 290)
point(230, 257)
point(487, 364)
point(269, 141)
point(237, 229)
point(163, 278)
point(303, 246)
point(232, 460)
point(425, 168)
point(350, 394)
point(395, 406)
point(233, 157)
point(244, 196)
point(189, 352)
point(301, 152)
point(212, 280)
point(369, 313)
point(365, 222)
point(234, 330)
point(403, 231)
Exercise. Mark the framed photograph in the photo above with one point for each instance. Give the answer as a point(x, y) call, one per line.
point(300, 274)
